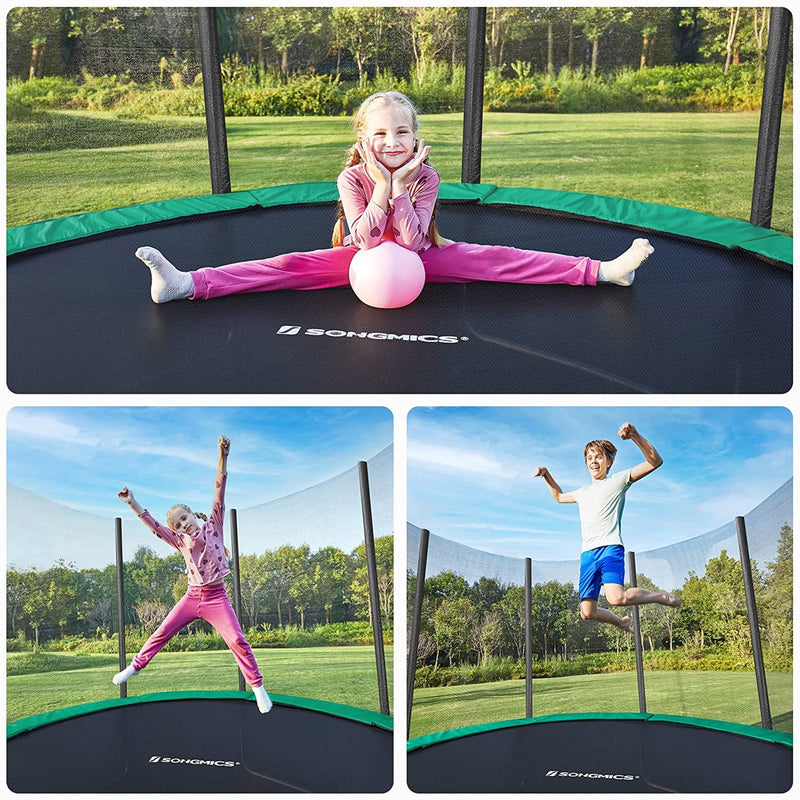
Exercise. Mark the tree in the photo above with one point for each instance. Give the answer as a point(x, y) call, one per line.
point(504, 25)
point(281, 566)
point(19, 586)
point(31, 29)
point(38, 604)
point(486, 593)
point(284, 27)
point(334, 575)
point(430, 30)
point(304, 585)
point(550, 605)
point(721, 33)
point(596, 22)
point(776, 606)
point(359, 30)
point(384, 563)
point(656, 622)
point(453, 623)
point(487, 635)
point(512, 617)
point(151, 613)
point(252, 581)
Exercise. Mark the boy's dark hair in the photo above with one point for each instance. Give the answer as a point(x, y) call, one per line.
point(601, 444)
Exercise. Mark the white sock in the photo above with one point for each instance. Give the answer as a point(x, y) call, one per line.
point(122, 677)
point(167, 283)
point(262, 699)
point(621, 270)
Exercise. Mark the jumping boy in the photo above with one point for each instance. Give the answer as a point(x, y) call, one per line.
point(600, 505)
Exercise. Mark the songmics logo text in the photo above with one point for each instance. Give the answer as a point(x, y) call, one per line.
point(295, 330)
point(194, 762)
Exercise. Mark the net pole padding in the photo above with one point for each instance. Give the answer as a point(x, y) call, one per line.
point(752, 616)
point(416, 622)
point(123, 687)
point(237, 582)
point(473, 96)
point(769, 129)
point(637, 636)
point(374, 600)
point(528, 642)
point(215, 106)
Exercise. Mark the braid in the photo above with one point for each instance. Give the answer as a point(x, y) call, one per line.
point(200, 515)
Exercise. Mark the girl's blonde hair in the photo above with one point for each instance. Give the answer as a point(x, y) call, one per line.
point(358, 124)
point(174, 511)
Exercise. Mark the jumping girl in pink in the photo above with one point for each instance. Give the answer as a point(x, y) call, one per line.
point(203, 549)
point(388, 192)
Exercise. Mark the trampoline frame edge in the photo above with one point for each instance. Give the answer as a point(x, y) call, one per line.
point(734, 728)
point(656, 217)
point(360, 715)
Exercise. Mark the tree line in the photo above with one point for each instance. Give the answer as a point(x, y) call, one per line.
point(287, 586)
point(472, 624)
point(357, 43)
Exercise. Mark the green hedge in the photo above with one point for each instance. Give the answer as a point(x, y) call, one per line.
point(710, 660)
point(335, 634)
point(687, 87)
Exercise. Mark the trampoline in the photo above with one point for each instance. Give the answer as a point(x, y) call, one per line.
point(710, 311)
point(590, 753)
point(150, 743)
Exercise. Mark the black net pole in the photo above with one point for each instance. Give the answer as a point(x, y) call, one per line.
point(769, 130)
point(237, 583)
point(637, 636)
point(528, 642)
point(123, 687)
point(416, 622)
point(752, 616)
point(215, 107)
point(374, 600)
point(473, 96)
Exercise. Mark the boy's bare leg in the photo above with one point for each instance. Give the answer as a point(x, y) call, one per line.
point(589, 610)
point(619, 596)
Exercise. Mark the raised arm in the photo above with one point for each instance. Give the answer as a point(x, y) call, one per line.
point(224, 446)
point(652, 460)
point(162, 531)
point(126, 495)
point(218, 508)
point(555, 489)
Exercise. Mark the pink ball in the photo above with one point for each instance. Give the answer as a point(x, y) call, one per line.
point(387, 276)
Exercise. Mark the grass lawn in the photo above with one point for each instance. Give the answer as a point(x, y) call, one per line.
point(339, 674)
point(701, 161)
point(729, 696)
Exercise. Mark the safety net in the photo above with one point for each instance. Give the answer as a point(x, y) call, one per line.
point(305, 600)
point(697, 660)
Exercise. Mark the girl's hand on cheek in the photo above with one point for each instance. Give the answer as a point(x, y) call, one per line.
point(375, 169)
point(403, 176)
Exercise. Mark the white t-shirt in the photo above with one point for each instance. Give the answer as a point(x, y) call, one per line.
point(600, 505)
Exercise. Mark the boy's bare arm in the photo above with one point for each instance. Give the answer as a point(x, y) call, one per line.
point(652, 459)
point(555, 489)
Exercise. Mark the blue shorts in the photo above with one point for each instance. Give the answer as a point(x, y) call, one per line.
point(599, 566)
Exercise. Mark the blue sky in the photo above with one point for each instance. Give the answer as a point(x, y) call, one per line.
point(469, 472)
point(81, 457)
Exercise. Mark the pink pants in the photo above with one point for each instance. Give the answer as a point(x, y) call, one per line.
point(456, 263)
point(211, 604)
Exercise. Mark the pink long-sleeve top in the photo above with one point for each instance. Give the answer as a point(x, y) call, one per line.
point(203, 551)
point(408, 217)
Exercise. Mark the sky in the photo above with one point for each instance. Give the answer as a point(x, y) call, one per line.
point(81, 457)
point(470, 472)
